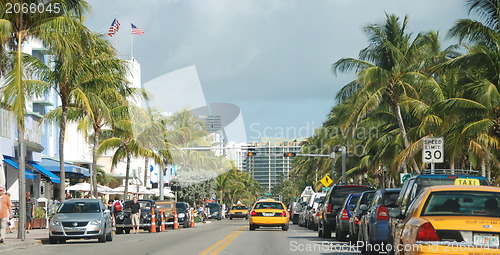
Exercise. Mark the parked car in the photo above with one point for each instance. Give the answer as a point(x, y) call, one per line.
point(183, 214)
point(168, 211)
point(214, 211)
point(295, 210)
point(81, 218)
point(451, 219)
point(317, 216)
point(318, 199)
point(343, 216)
point(303, 215)
point(365, 199)
point(414, 185)
point(123, 222)
point(373, 227)
point(333, 201)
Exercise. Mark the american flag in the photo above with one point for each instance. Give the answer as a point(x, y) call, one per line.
point(114, 27)
point(136, 30)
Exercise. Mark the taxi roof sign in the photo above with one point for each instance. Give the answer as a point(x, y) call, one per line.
point(467, 182)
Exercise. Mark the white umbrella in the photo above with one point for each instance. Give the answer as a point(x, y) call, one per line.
point(133, 189)
point(85, 187)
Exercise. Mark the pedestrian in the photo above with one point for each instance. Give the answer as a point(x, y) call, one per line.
point(30, 210)
point(11, 222)
point(201, 213)
point(5, 213)
point(116, 207)
point(136, 212)
point(68, 195)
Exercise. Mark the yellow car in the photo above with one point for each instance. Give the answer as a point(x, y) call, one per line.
point(238, 211)
point(269, 213)
point(450, 219)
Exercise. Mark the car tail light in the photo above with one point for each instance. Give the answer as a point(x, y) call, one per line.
point(329, 209)
point(382, 213)
point(283, 214)
point(345, 216)
point(356, 220)
point(254, 213)
point(426, 232)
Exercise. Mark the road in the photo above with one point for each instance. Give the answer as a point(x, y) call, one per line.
point(223, 237)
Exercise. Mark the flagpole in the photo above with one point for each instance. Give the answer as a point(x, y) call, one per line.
point(131, 44)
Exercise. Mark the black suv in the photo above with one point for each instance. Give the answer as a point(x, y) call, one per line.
point(412, 187)
point(124, 222)
point(333, 202)
point(214, 211)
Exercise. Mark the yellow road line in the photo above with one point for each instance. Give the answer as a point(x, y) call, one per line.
point(226, 243)
point(221, 241)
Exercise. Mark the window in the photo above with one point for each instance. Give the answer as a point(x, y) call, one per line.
point(462, 203)
point(268, 205)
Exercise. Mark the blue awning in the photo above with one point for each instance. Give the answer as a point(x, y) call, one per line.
point(28, 174)
point(46, 172)
point(53, 166)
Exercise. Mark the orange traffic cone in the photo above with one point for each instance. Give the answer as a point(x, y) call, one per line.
point(153, 221)
point(192, 218)
point(162, 221)
point(176, 220)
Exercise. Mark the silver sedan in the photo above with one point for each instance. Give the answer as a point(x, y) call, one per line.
point(81, 218)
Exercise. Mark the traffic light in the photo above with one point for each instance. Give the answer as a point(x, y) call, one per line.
point(289, 154)
point(251, 154)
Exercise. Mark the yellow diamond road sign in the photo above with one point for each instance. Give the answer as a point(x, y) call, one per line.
point(326, 181)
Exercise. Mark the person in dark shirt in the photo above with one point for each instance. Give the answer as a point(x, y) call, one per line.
point(135, 213)
point(30, 210)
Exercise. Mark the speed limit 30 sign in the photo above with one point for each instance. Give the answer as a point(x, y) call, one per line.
point(433, 150)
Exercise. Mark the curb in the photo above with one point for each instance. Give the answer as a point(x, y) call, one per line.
point(21, 244)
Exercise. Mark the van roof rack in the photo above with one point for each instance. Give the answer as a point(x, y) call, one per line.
point(450, 171)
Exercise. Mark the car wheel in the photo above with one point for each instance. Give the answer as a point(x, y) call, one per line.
point(284, 227)
point(62, 240)
point(119, 231)
point(109, 237)
point(252, 227)
point(320, 230)
point(340, 236)
point(52, 240)
point(185, 225)
point(102, 238)
point(127, 230)
point(230, 218)
point(327, 232)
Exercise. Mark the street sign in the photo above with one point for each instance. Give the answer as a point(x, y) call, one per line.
point(404, 177)
point(326, 181)
point(433, 150)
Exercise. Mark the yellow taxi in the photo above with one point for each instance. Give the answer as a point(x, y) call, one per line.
point(269, 213)
point(238, 211)
point(450, 219)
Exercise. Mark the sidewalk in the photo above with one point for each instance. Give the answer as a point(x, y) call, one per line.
point(34, 237)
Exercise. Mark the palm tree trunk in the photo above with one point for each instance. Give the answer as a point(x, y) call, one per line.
point(62, 131)
point(20, 139)
point(97, 131)
point(127, 174)
point(402, 129)
point(483, 167)
point(146, 163)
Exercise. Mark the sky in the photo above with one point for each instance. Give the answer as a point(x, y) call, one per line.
point(272, 58)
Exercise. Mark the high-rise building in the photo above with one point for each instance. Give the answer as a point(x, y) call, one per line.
point(268, 163)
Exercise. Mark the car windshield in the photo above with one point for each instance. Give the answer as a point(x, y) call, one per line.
point(462, 203)
point(181, 206)
point(353, 201)
point(238, 207)
point(213, 207)
point(268, 205)
point(79, 207)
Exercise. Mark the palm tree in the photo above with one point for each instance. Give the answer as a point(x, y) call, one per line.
point(15, 29)
point(123, 139)
point(389, 70)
